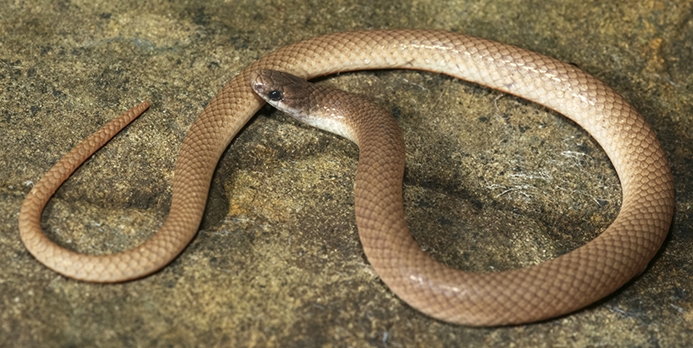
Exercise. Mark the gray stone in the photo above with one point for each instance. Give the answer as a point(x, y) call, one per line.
point(493, 182)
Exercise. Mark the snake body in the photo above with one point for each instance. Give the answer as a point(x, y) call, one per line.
point(546, 290)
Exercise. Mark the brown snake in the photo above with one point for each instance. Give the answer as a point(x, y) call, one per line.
point(549, 289)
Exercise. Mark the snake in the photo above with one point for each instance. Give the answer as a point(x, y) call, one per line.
point(546, 290)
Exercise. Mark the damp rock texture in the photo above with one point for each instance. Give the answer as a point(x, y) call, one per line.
point(492, 182)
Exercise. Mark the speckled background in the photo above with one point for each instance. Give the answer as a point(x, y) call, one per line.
point(492, 182)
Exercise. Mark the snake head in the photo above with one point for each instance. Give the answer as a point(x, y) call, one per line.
point(282, 90)
point(319, 106)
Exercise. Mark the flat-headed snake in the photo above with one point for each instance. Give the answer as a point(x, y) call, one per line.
point(542, 291)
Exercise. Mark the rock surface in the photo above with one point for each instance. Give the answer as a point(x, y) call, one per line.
point(492, 183)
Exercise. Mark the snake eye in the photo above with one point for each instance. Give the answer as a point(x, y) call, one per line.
point(275, 95)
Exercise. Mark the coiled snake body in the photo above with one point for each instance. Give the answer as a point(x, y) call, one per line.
point(549, 289)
